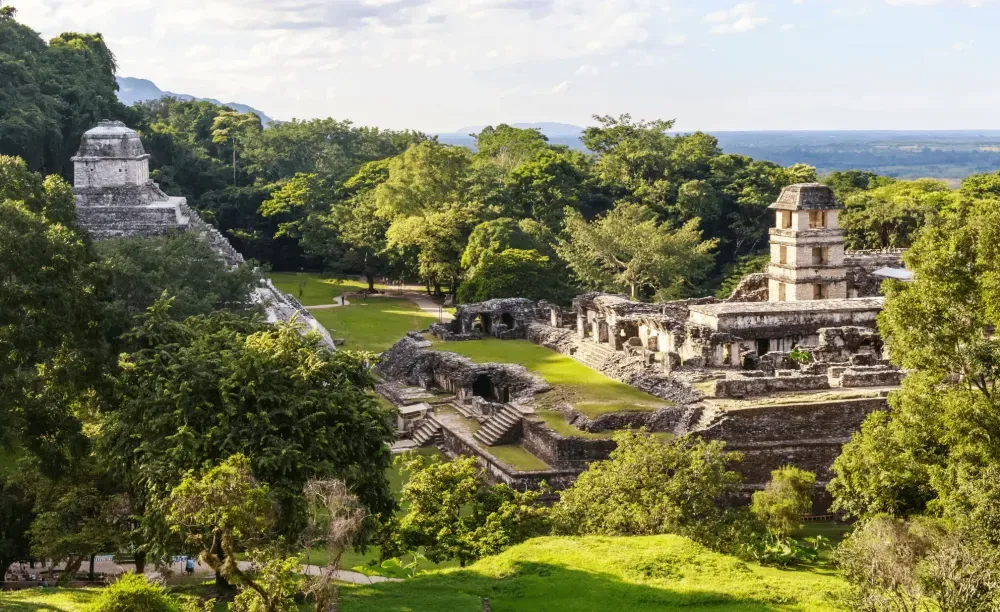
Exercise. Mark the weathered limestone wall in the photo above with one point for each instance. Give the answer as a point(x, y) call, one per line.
point(793, 422)
point(497, 471)
point(875, 376)
point(562, 452)
point(411, 360)
point(740, 386)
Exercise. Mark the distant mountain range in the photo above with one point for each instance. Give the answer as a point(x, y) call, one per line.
point(132, 90)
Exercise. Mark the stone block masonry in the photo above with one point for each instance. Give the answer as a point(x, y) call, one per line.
point(765, 385)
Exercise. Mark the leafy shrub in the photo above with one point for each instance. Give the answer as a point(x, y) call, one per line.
point(785, 500)
point(892, 564)
point(514, 273)
point(648, 487)
point(769, 549)
point(133, 593)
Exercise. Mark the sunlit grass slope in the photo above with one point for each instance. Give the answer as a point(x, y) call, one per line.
point(375, 324)
point(588, 390)
point(597, 574)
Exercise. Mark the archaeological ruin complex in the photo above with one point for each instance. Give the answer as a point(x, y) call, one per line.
point(115, 198)
point(784, 370)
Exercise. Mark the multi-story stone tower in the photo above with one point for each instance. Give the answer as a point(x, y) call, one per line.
point(807, 246)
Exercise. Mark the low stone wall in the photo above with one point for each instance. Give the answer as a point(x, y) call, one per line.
point(875, 377)
point(764, 385)
point(497, 471)
point(793, 422)
point(560, 451)
point(673, 419)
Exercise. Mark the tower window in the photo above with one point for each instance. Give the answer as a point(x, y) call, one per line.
point(781, 292)
point(817, 219)
point(819, 291)
point(819, 256)
point(782, 254)
point(786, 219)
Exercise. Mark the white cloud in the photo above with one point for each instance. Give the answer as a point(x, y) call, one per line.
point(588, 70)
point(674, 40)
point(787, 27)
point(741, 18)
point(560, 88)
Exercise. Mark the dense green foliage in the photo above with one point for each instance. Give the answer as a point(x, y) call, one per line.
point(648, 487)
point(785, 501)
point(918, 565)
point(133, 593)
point(452, 512)
point(295, 410)
point(937, 451)
point(52, 93)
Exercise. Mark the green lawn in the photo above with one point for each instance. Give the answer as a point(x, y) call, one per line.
point(317, 289)
point(596, 574)
point(374, 325)
point(591, 392)
point(556, 421)
point(518, 458)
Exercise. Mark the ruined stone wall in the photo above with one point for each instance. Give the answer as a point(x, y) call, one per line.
point(562, 452)
point(793, 422)
point(875, 376)
point(498, 472)
point(411, 361)
point(752, 288)
point(765, 385)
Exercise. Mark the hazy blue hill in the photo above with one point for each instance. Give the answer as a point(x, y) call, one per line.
point(132, 90)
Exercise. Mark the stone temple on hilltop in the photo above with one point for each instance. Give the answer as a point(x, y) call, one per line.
point(115, 198)
point(783, 371)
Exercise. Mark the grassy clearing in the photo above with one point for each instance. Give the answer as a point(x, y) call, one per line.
point(589, 391)
point(374, 325)
point(79, 600)
point(594, 574)
point(556, 421)
point(318, 289)
point(518, 458)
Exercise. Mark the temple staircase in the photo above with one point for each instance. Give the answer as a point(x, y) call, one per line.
point(501, 428)
point(428, 432)
point(592, 354)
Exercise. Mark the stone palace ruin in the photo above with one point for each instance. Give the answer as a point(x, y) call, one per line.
point(115, 198)
point(784, 370)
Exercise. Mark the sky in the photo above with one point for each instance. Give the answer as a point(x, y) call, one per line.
point(440, 65)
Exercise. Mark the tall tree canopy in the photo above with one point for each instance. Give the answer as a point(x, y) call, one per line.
point(936, 451)
point(629, 250)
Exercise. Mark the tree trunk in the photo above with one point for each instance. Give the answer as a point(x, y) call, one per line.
point(90, 570)
point(437, 288)
point(4, 564)
point(140, 562)
point(371, 283)
point(220, 580)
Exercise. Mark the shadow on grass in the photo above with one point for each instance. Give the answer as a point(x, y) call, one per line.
point(541, 587)
point(46, 599)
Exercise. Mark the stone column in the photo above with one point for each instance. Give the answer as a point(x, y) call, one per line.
point(581, 325)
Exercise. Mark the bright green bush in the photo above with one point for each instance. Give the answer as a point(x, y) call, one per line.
point(785, 500)
point(133, 593)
